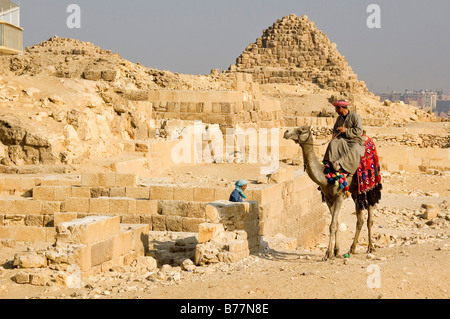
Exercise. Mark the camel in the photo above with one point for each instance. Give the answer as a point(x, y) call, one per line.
point(333, 195)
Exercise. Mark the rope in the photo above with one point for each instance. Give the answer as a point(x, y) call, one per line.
point(310, 133)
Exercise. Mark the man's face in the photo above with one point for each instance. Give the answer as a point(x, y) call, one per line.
point(339, 110)
point(244, 187)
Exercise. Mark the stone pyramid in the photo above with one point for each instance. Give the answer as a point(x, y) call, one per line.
point(294, 51)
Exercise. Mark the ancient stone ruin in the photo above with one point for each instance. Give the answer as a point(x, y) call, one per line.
point(294, 51)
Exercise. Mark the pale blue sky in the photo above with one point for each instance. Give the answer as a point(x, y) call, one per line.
point(410, 51)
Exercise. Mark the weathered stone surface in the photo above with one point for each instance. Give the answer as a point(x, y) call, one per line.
point(29, 260)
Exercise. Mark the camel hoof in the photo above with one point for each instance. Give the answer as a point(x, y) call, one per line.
point(328, 256)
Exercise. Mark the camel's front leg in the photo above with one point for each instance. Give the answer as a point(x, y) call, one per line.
point(333, 250)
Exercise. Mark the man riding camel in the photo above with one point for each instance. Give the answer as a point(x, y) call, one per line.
point(347, 146)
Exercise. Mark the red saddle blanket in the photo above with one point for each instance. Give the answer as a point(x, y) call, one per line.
point(369, 169)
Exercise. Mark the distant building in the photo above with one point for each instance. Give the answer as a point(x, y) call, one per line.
point(11, 34)
point(424, 99)
point(443, 105)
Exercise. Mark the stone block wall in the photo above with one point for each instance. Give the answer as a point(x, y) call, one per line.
point(244, 105)
point(291, 207)
point(413, 159)
point(88, 246)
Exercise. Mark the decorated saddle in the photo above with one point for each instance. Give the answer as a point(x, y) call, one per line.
point(367, 175)
point(369, 178)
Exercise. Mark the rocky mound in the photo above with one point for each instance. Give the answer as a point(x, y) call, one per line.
point(74, 59)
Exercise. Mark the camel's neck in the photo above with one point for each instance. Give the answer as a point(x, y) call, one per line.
point(314, 168)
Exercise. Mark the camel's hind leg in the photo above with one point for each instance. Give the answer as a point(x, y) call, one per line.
point(359, 225)
point(370, 210)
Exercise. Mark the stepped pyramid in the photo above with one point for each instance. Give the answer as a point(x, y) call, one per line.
point(294, 51)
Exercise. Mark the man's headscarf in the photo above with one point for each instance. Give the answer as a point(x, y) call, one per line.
point(238, 185)
point(341, 103)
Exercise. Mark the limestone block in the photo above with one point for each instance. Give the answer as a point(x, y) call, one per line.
point(14, 220)
point(203, 194)
point(138, 192)
point(122, 242)
point(27, 183)
point(146, 207)
point(172, 208)
point(27, 233)
point(121, 206)
point(184, 194)
point(222, 194)
point(29, 260)
point(162, 192)
point(130, 219)
point(50, 207)
point(88, 230)
point(124, 180)
point(89, 179)
point(158, 223)
point(146, 220)
point(77, 205)
point(239, 249)
point(102, 251)
point(80, 255)
point(207, 231)
point(62, 192)
point(106, 179)
point(174, 223)
point(44, 193)
point(7, 206)
point(207, 107)
point(99, 205)
point(39, 279)
point(12, 183)
point(117, 192)
point(140, 237)
point(431, 213)
point(63, 217)
point(196, 210)
point(28, 206)
point(34, 220)
point(191, 224)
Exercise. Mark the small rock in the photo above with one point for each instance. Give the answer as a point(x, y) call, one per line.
point(22, 278)
point(39, 279)
point(146, 262)
point(188, 265)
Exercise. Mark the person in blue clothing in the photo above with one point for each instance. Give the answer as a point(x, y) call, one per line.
point(238, 194)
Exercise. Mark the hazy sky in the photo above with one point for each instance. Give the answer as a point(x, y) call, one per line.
point(409, 51)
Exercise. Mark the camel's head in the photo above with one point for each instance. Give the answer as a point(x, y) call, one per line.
point(299, 135)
